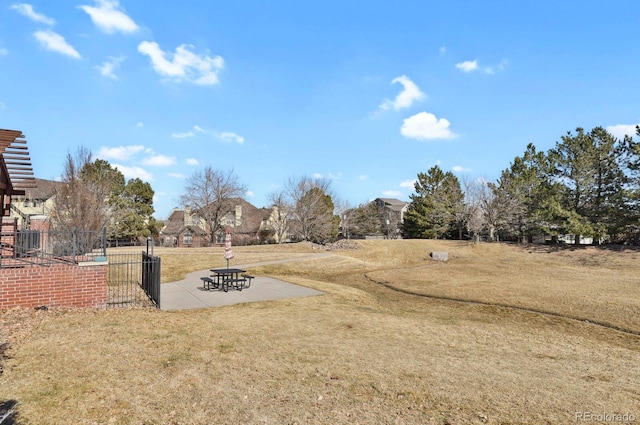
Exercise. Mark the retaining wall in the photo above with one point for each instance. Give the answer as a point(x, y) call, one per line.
point(61, 285)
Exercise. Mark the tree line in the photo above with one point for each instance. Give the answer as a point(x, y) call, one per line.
point(93, 195)
point(587, 185)
point(303, 210)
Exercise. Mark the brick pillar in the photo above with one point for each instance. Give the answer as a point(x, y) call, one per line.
point(8, 227)
point(41, 224)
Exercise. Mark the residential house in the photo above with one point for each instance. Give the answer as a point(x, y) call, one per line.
point(35, 201)
point(244, 221)
point(271, 222)
point(392, 214)
point(185, 228)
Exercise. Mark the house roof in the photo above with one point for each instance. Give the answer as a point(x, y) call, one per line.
point(43, 190)
point(393, 204)
point(177, 228)
point(174, 225)
point(176, 216)
point(16, 160)
point(251, 218)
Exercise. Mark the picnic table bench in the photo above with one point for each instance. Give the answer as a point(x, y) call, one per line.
point(225, 278)
point(209, 283)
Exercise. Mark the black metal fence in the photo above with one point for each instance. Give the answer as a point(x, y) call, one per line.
point(22, 248)
point(151, 267)
point(133, 279)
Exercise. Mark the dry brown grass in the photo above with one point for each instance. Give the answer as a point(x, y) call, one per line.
point(362, 354)
point(176, 263)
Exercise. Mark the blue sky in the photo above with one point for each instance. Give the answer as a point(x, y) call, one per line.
point(366, 94)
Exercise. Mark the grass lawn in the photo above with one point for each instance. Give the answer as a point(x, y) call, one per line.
point(499, 334)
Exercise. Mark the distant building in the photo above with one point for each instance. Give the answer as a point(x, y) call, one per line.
point(384, 220)
point(185, 228)
point(392, 216)
point(268, 227)
point(36, 201)
point(394, 207)
point(182, 229)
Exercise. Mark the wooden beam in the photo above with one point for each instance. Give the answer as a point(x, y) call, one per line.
point(13, 167)
point(17, 163)
point(16, 153)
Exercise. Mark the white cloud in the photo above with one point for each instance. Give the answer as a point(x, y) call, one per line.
point(200, 129)
point(442, 50)
point(229, 136)
point(120, 153)
point(56, 43)
point(182, 135)
point(159, 161)
point(330, 176)
point(392, 193)
point(620, 130)
point(108, 67)
point(250, 194)
point(425, 126)
point(192, 161)
point(460, 169)
point(134, 172)
point(468, 66)
point(363, 177)
point(409, 184)
point(3, 51)
point(409, 94)
point(28, 11)
point(185, 65)
point(140, 124)
point(177, 175)
point(110, 17)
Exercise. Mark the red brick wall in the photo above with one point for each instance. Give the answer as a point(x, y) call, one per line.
point(55, 286)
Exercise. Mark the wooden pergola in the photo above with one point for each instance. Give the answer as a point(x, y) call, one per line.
point(16, 172)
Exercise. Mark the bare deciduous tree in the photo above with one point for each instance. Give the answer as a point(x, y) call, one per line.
point(81, 202)
point(211, 194)
point(485, 199)
point(281, 215)
point(312, 213)
point(474, 216)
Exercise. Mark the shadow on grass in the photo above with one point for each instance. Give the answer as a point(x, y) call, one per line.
point(550, 313)
point(8, 414)
point(560, 247)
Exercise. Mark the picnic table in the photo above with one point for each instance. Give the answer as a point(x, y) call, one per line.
point(228, 277)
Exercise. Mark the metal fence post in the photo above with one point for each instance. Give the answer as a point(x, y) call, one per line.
point(73, 244)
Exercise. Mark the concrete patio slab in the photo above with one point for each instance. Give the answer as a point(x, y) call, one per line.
point(189, 292)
